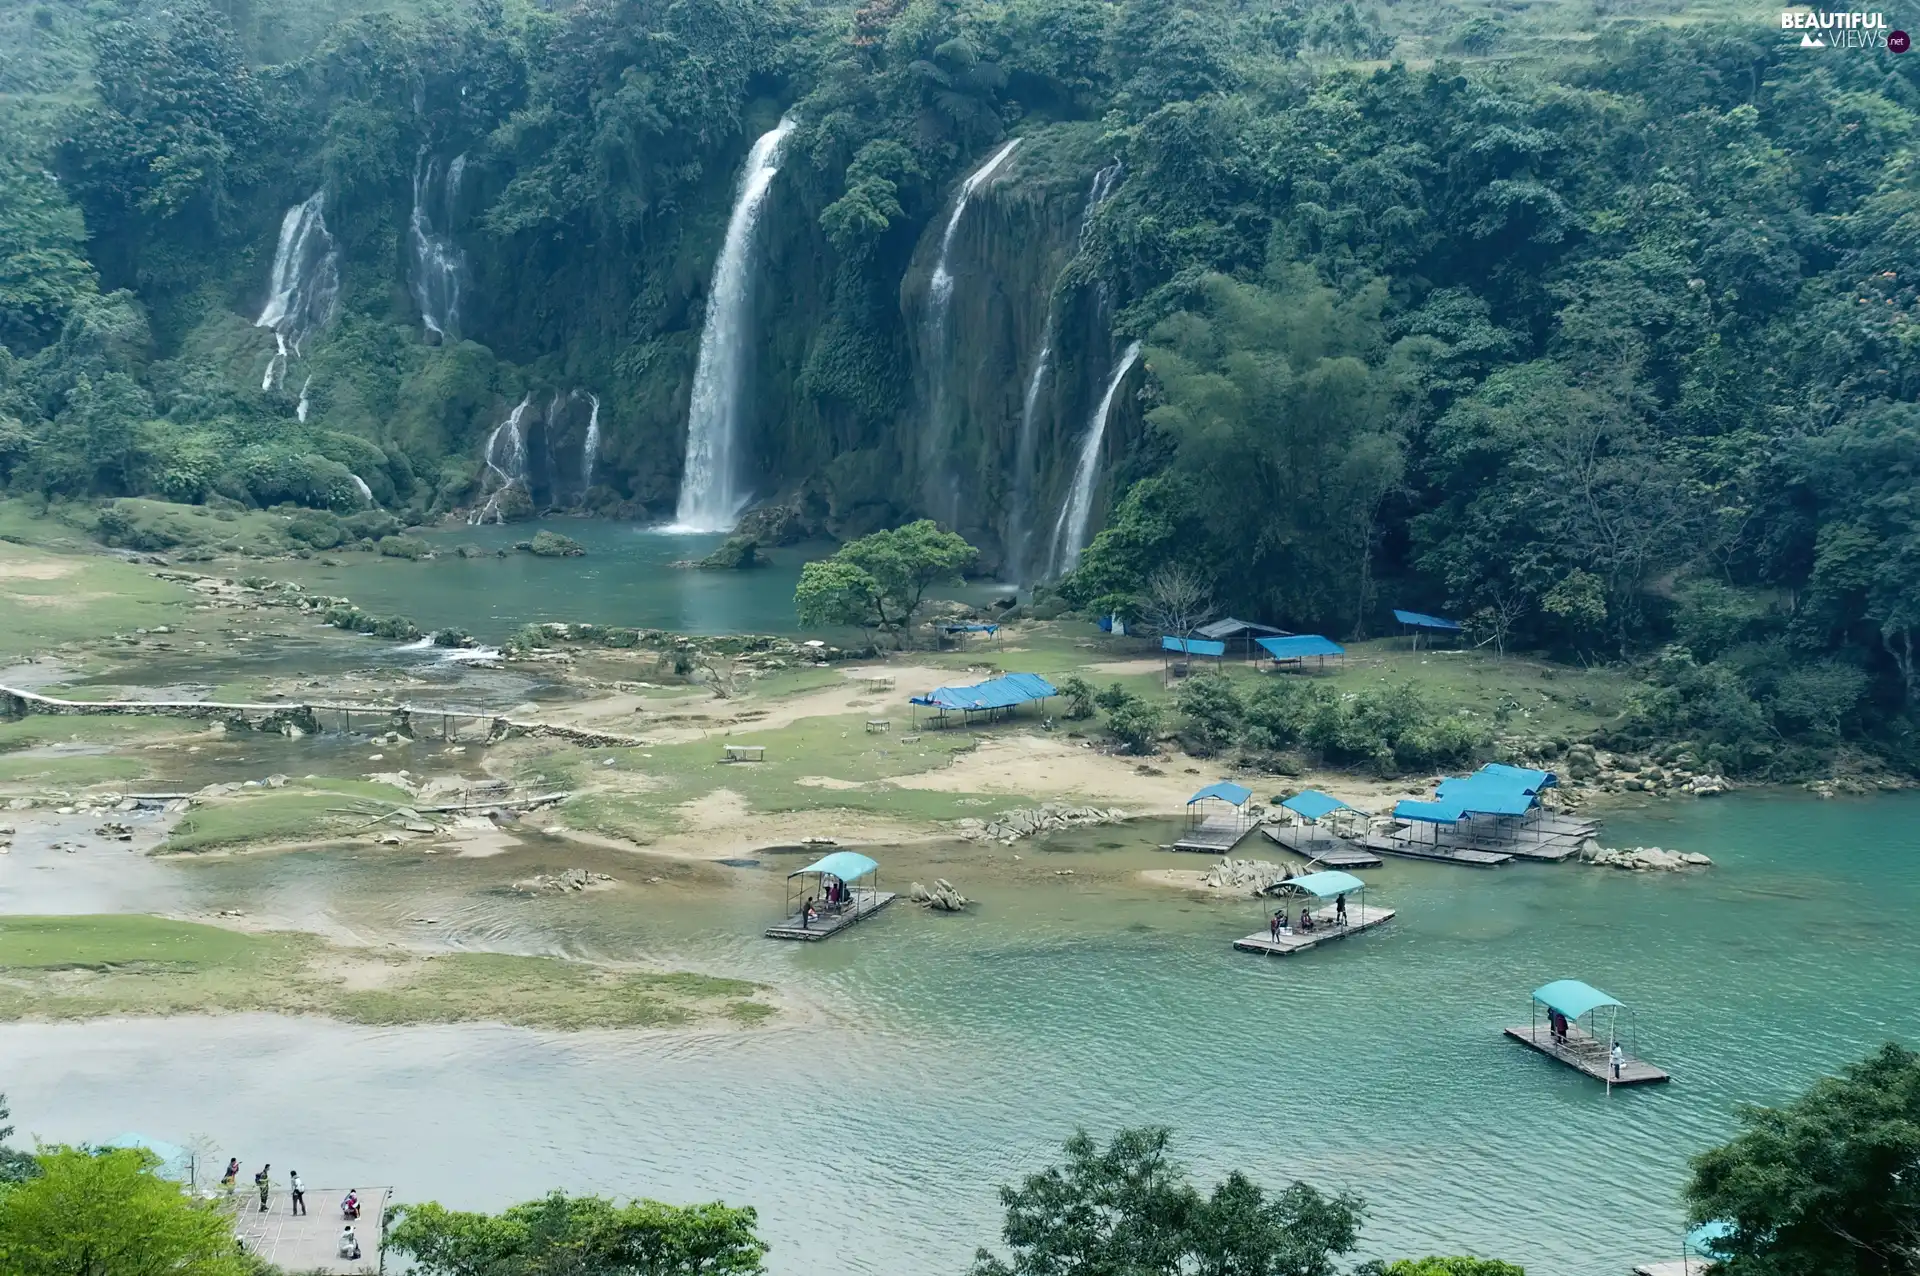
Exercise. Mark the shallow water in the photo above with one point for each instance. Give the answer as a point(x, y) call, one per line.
point(626, 578)
point(955, 1053)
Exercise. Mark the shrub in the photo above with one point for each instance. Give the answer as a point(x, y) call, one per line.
point(554, 545)
point(317, 529)
point(407, 547)
point(1134, 722)
point(1079, 695)
point(1213, 710)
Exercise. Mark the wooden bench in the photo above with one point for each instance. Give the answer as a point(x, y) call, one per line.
point(878, 724)
point(744, 753)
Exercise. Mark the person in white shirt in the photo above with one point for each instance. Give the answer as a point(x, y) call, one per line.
point(1619, 1057)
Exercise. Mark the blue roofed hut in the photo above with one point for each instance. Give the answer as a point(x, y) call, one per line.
point(1240, 635)
point(1177, 655)
point(829, 895)
point(1286, 935)
point(1495, 812)
point(1322, 828)
point(1293, 651)
point(1578, 1025)
point(1418, 623)
point(1217, 818)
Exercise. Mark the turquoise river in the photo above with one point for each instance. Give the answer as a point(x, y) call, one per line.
point(930, 1059)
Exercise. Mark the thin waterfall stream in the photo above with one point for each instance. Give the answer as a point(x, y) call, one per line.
point(1070, 534)
point(711, 488)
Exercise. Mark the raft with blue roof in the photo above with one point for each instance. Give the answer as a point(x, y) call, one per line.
point(829, 895)
point(1314, 927)
point(1576, 1024)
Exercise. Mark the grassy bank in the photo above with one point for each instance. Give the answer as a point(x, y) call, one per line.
point(94, 966)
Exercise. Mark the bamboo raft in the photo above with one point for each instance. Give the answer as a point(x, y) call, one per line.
point(1319, 846)
point(1326, 930)
point(861, 905)
point(1215, 835)
point(1586, 1053)
point(1389, 844)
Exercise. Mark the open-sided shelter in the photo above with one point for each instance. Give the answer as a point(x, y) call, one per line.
point(1418, 623)
point(1578, 1025)
point(829, 895)
point(1293, 651)
point(990, 700)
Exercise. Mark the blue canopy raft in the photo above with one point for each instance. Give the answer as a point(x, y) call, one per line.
point(1220, 821)
point(1321, 831)
point(1333, 921)
point(1573, 1032)
point(835, 891)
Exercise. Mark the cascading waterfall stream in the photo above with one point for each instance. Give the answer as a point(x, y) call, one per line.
point(303, 287)
point(1020, 520)
point(506, 462)
point(590, 450)
point(1076, 517)
point(940, 485)
point(710, 486)
point(438, 267)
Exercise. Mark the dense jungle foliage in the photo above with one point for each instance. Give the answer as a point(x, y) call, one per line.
point(1595, 330)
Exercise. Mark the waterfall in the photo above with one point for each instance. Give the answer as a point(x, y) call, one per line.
point(506, 461)
point(710, 495)
point(300, 409)
point(1070, 534)
point(1019, 545)
point(591, 448)
point(438, 265)
point(304, 285)
point(360, 485)
point(943, 495)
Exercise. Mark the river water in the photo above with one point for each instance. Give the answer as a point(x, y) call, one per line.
point(627, 577)
point(943, 1056)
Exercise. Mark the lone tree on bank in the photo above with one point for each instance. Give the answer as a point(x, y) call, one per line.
point(880, 581)
point(1828, 1185)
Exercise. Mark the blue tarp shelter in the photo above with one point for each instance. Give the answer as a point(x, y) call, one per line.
point(848, 866)
point(1325, 885)
point(1572, 998)
point(1476, 795)
point(1420, 620)
point(1428, 812)
point(988, 697)
point(1226, 791)
point(972, 627)
point(1529, 780)
point(1192, 646)
point(1300, 646)
point(1312, 804)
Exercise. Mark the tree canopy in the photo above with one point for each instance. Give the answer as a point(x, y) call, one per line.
point(107, 1213)
point(561, 1235)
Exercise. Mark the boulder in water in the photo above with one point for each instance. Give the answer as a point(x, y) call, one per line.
point(941, 896)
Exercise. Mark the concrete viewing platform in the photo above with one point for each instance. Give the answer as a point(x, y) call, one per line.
point(1587, 1053)
point(1319, 846)
point(861, 904)
point(1325, 930)
point(1215, 835)
point(310, 1242)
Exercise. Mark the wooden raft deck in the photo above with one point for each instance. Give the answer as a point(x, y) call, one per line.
point(1215, 835)
point(310, 1242)
point(864, 905)
point(1319, 846)
point(1360, 917)
point(1389, 844)
point(1586, 1053)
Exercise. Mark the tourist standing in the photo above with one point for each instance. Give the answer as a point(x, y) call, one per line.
point(1273, 927)
point(232, 1175)
point(299, 1192)
point(1619, 1057)
point(260, 1181)
point(1340, 910)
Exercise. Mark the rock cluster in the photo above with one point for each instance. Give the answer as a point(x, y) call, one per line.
point(574, 879)
point(1252, 876)
point(941, 897)
point(1641, 859)
point(1010, 826)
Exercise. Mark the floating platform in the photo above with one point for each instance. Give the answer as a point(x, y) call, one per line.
point(1215, 835)
point(1676, 1267)
point(1320, 846)
point(1326, 930)
point(1586, 1053)
point(863, 905)
point(310, 1242)
point(1388, 844)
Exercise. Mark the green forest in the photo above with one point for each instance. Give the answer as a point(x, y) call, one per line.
point(1589, 324)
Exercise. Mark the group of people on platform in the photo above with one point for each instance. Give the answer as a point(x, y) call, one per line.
point(833, 897)
point(1278, 925)
point(349, 1243)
